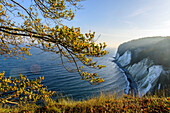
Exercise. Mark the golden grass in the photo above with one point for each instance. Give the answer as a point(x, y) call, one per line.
point(102, 104)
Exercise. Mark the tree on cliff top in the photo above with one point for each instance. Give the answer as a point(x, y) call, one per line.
point(38, 23)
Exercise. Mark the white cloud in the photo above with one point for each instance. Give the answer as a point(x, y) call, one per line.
point(139, 12)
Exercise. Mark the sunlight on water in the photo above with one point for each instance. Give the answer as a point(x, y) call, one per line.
point(59, 80)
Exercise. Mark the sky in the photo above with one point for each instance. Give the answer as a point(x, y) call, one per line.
point(118, 21)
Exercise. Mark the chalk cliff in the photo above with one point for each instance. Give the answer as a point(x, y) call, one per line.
point(147, 61)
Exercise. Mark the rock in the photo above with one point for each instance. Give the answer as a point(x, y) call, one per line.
point(150, 80)
point(125, 58)
point(148, 61)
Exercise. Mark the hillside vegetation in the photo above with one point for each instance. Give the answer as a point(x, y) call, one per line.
point(156, 48)
point(102, 104)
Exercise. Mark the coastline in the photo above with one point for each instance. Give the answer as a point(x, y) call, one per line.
point(133, 86)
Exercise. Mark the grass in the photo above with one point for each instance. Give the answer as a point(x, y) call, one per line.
point(102, 104)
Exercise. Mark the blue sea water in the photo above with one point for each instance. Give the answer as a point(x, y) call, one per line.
point(60, 80)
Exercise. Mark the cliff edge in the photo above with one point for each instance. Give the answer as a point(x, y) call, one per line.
point(148, 62)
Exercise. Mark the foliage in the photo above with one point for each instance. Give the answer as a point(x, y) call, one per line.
point(104, 103)
point(38, 23)
point(21, 90)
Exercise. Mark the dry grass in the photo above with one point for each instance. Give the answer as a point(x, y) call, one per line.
point(102, 104)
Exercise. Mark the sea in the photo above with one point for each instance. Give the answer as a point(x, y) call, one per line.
point(64, 83)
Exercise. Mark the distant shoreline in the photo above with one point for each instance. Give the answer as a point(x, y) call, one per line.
point(133, 85)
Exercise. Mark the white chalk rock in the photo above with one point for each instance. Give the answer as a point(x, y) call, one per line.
point(125, 59)
point(148, 82)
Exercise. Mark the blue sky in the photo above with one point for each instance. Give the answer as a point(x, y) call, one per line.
point(119, 21)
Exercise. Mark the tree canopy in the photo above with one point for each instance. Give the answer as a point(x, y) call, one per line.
point(38, 23)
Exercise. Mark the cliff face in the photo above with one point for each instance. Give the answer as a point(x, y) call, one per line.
point(148, 62)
